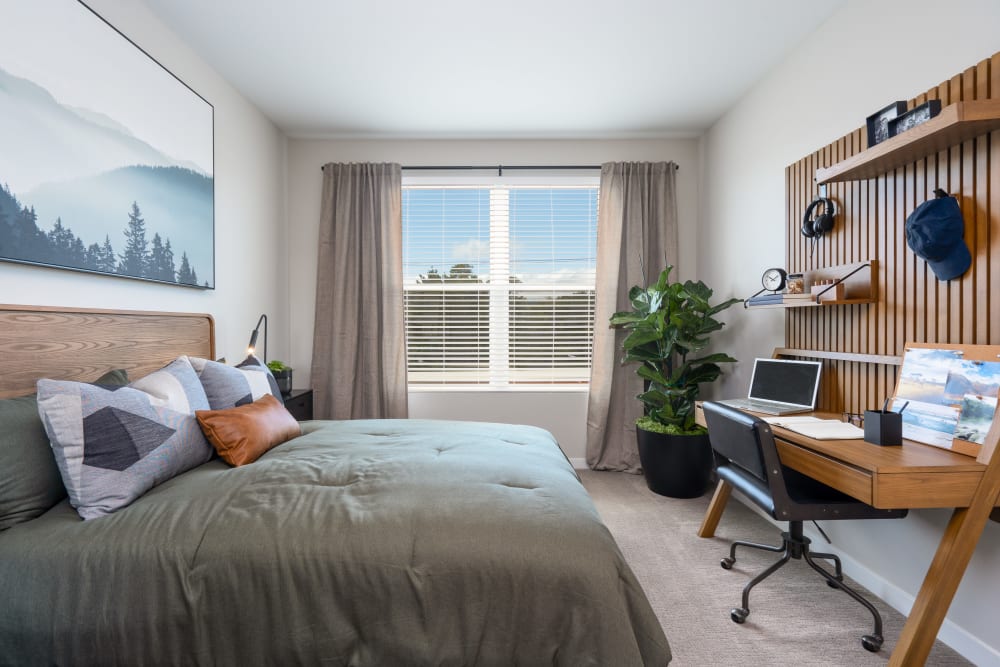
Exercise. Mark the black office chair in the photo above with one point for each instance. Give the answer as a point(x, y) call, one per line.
point(746, 457)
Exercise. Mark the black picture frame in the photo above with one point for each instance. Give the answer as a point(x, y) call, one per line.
point(108, 158)
point(913, 117)
point(878, 122)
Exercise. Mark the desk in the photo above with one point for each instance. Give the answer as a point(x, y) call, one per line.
point(911, 476)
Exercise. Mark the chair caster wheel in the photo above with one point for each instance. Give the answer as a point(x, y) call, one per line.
point(871, 642)
point(739, 615)
point(727, 563)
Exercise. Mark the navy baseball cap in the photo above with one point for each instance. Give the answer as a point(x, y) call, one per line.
point(934, 231)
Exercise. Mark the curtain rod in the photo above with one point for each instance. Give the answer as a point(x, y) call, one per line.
point(500, 167)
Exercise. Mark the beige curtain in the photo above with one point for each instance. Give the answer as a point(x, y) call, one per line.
point(359, 347)
point(636, 235)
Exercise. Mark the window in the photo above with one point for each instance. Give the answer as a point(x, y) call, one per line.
point(499, 281)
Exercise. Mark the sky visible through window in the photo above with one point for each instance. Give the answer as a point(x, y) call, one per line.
point(552, 232)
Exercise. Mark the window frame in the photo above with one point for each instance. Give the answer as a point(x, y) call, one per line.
point(488, 181)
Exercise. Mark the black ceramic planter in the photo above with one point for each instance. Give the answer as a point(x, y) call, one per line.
point(284, 379)
point(679, 466)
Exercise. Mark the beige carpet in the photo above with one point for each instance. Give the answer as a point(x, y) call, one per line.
point(795, 618)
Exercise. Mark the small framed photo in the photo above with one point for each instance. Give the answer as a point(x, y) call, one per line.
point(878, 122)
point(795, 283)
point(913, 117)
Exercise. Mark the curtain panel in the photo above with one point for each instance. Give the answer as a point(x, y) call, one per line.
point(359, 344)
point(636, 237)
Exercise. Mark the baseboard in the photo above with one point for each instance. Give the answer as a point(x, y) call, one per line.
point(969, 646)
point(966, 644)
point(579, 464)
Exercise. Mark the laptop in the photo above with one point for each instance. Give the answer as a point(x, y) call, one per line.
point(781, 387)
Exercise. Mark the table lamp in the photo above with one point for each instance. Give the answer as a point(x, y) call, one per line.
point(252, 347)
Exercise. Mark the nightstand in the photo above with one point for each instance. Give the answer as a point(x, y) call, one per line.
point(300, 403)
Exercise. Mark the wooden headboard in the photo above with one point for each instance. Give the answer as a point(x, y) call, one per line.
point(84, 343)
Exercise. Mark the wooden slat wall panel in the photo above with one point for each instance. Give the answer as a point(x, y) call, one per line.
point(912, 304)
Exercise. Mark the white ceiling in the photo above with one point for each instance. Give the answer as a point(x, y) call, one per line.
point(513, 69)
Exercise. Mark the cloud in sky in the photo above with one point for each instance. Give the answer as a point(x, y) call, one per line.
point(471, 250)
point(567, 276)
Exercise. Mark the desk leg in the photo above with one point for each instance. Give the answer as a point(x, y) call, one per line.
point(715, 509)
point(942, 579)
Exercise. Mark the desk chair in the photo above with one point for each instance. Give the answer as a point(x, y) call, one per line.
point(746, 458)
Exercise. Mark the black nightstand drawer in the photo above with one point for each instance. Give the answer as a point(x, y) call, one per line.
point(300, 403)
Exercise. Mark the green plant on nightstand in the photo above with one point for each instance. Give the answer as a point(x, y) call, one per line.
point(282, 372)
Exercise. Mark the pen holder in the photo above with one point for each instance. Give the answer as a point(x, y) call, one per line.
point(883, 428)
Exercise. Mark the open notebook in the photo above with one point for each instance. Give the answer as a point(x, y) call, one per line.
point(819, 429)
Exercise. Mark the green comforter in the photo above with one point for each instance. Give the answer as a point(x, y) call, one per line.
point(391, 542)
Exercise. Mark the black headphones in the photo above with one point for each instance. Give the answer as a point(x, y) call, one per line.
point(815, 228)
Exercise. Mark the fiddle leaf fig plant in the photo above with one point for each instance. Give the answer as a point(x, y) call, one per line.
point(669, 324)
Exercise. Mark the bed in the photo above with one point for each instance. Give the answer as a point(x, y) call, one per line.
point(366, 542)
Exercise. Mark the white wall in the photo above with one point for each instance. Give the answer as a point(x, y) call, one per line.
point(249, 213)
point(563, 413)
point(862, 58)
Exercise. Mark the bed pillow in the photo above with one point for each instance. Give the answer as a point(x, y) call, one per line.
point(30, 484)
point(231, 386)
point(243, 434)
point(114, 444)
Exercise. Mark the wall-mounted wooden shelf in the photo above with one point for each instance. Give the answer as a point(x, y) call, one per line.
point(859, 280)
point(956, 123)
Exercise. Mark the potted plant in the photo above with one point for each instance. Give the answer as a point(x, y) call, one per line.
point(669, 323)
point(282, 372)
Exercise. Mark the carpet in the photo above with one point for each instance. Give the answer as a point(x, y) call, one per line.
point(795, 619)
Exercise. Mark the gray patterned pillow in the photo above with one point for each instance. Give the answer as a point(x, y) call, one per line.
point(230, 386)
point(114, 444)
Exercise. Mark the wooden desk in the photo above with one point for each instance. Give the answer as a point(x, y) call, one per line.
point(911, 476)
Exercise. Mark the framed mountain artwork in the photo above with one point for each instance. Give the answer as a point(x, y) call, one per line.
point(106, 158)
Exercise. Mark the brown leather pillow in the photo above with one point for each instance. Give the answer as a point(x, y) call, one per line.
point(243, 434)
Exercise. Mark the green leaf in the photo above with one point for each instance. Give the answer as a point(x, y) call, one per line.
point(703, 373)
point(640, 337)
point(625, 317)
point(717, 358)
point(647, 373)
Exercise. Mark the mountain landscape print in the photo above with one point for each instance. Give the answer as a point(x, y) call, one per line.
point(106, 158)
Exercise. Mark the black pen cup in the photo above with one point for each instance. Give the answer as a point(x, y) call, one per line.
point(883, 428)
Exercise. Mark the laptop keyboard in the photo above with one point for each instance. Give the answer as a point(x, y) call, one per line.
point(758, 405)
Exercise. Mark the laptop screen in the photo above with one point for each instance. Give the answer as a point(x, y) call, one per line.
point(785, 381)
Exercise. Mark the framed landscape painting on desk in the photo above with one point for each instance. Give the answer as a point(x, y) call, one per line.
point(947, 400)
point(927, 417)
point(973, 385)
point(108, 158)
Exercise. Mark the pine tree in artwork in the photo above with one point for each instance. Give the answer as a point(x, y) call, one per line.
point(169, 271)
point(161, 260)
point(185, 274)
point(135, 258)
point(59, 242)
point(65, 247)
point(77, 251)
point(107, 260)
point(33, 243)
point(92, 257)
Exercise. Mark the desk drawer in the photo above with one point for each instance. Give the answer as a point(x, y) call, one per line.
point(929, 489)
point(854, 482)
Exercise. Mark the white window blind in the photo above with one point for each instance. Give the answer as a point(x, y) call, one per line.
point(499, 282)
